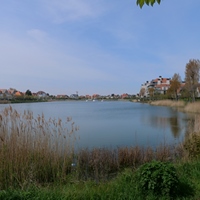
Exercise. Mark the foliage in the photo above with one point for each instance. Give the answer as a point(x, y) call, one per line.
point(142, 92)
point(28, 93)
point(147, 2)
point(151, 92)
point(192, 145)
point(158, 178)
point(192, 77)
point(174, 86)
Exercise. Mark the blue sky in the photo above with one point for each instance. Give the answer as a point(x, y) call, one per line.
point(94, 46)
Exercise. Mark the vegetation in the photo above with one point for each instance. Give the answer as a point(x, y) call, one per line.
point(174, 86)
point(147, 2)
point(28, 93)
point(38, 160)
point(158, 178)
point(192, 77)
point(168, 103)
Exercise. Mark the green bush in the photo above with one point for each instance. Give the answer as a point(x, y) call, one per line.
point(192, 145)
point(157, 178)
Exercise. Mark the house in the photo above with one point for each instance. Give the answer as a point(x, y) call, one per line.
point(4, 94)
point(87, 96)
point(144, 92)
point(125, 95)
point(160, 86)
point(62, 96)
point(74, 96)
point(41, 94)
point(95, 96)
point(18, 94)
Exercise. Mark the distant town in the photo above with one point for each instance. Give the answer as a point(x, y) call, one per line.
point(158, 88)
point(12, 94)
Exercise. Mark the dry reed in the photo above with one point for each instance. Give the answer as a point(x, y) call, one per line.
point(169, 103)
point(33, 150)
point(192, 107)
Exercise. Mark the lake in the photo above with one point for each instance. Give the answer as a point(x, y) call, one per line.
point(115, 123)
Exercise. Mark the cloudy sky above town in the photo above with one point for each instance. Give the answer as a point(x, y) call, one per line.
point(94, 46)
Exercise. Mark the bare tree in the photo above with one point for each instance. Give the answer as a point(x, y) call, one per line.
point(175, 85)
point(192, 77)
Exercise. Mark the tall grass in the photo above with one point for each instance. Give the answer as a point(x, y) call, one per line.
point(168, 103)
point(193, 107)
point(33, 150)
point(36, 151)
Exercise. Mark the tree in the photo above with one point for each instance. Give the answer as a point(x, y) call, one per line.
point(28, 93)
point(147, 2)
point(192, 77)
point(151, 92)
point(142, 92)
point(175, 85)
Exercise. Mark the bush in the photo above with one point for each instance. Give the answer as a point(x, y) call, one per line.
point(192, 145)
point(157, 178)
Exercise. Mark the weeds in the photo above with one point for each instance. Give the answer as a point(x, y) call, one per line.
point(38, 152)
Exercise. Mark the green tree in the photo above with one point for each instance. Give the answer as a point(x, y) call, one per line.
point(192, 77)
point(175, 85)
point(28, 93)
point(147, 2)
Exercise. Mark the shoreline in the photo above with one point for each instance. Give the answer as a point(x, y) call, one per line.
point(190, 107)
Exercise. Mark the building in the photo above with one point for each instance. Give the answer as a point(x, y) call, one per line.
point(160, 86)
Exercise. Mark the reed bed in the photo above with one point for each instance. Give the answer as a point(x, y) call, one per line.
point(169, 103)
point(193, 107)
point(33, 150)
point(103, 164)
point(36, 151)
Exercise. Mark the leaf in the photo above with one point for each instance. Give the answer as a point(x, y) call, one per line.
point(152, 2)
point(147, 2)
point(141, 3)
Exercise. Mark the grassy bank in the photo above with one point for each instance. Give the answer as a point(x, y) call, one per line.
point(124, 186)
point(38, 161)
point(169, 103)
point(193, 107)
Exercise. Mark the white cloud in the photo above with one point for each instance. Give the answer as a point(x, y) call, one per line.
point(41, 60)
point(67, 10)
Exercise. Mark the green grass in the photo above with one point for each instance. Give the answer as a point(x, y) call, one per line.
point(122, 187)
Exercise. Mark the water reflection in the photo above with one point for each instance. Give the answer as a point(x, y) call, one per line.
point(171, 120)
point(175, 126)
point(193, 124)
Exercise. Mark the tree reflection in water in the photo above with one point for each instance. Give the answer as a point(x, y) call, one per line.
point(171, 120)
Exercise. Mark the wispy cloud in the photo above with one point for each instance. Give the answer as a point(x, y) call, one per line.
point(67, 10)
point(37, 34)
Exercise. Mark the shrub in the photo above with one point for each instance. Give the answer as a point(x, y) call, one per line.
point(192, 145)
point(157, 178)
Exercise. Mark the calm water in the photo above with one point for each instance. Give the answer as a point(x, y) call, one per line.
point(115, 123)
